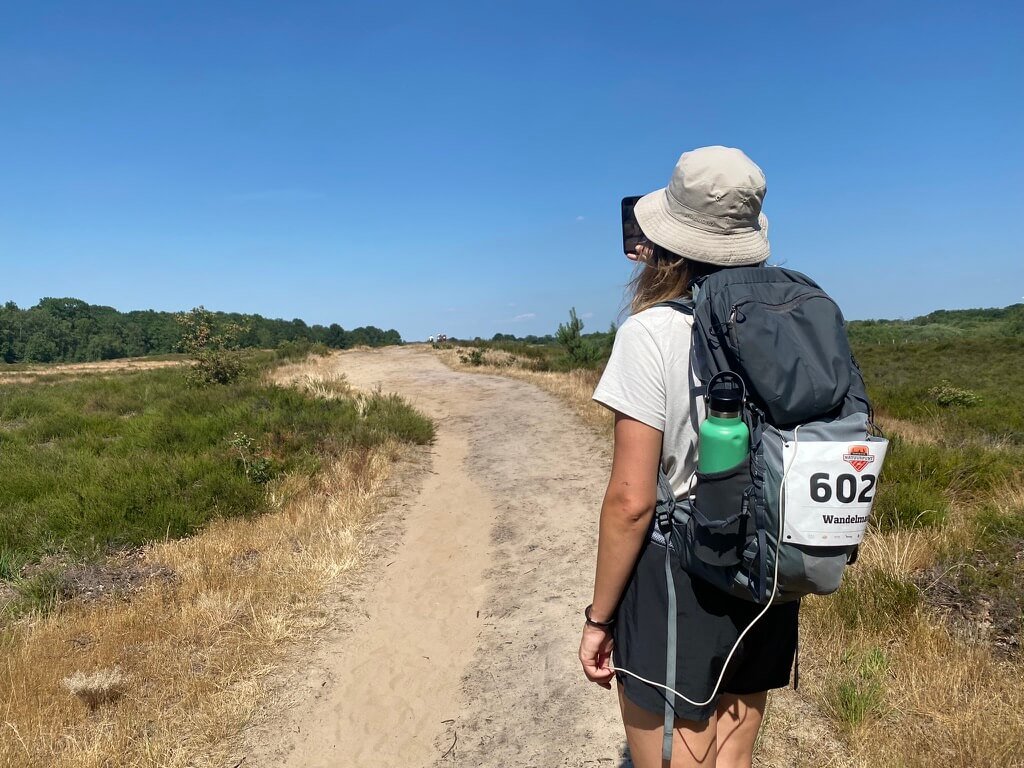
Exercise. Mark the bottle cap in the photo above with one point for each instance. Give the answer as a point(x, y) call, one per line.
point(728, 401)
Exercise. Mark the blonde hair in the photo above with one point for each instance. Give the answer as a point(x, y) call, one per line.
point(664, 275)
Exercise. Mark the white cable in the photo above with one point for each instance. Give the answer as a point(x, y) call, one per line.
point(775, 582)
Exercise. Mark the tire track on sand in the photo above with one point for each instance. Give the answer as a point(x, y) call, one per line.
point(467, 653)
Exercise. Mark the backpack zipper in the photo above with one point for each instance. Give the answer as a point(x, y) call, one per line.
point(784, 305)
point(735, 309)
point(730, 325)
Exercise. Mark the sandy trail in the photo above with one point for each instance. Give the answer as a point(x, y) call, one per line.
point(464, 652)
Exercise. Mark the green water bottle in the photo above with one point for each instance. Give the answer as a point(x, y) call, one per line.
point(724, 440)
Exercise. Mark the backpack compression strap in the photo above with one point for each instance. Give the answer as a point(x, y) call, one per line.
point(670, 657)
point(671, 620)
point(664, 510)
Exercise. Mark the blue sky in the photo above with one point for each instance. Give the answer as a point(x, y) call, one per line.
point(458, 167)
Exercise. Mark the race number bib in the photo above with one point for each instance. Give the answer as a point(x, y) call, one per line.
point(829, 490)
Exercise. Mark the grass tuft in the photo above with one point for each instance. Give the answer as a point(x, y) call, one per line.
point(39, 593)
point(96, 688)
point(858, 692)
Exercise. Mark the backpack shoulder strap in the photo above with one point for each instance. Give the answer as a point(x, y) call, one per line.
point(680, 305)
point(686, 307)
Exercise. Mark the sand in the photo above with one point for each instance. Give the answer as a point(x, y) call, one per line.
point(459, 646)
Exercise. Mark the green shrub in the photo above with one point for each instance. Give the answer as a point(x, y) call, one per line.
point(213, 349)
point(215, 366)
point(390, 416)
point(913, 502)
point(473, 357)
point(946, 395)
point(911, 490)
point(255, 465)
point(994, 526)
point(299, 349)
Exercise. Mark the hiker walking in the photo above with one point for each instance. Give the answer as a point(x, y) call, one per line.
point(707, 219)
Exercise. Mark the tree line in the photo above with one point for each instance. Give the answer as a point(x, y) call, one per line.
point(67, 330)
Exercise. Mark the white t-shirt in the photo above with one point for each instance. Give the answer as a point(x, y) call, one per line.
point(648, 378)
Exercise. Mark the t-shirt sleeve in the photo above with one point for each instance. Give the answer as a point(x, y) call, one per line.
point(633, 382)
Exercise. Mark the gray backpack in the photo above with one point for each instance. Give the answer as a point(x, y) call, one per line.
point(786, 523)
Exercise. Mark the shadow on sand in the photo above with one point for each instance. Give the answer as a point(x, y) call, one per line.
point(625, 761)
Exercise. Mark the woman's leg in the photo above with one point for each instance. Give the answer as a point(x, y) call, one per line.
point(693, 744)
point(738, 720)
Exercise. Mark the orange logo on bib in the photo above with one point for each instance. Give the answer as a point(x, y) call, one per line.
point(857, 456)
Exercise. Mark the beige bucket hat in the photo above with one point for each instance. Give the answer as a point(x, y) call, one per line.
point(711, 209)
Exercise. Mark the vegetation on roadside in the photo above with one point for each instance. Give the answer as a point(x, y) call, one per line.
point(857, 693)
point(971, 388)
point(97, 464)
point(163, 659)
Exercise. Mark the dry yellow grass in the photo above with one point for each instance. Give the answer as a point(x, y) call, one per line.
point(945, 699)
point(929, 434)
point(73, 370)
point(942, 701)
point(317, 375)
point(169, 677)
point(933, 432)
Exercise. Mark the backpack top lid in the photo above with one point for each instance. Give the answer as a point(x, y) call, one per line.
point(781, 333)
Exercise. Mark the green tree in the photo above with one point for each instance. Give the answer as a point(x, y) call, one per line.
point(41, 349)
point(581, 352)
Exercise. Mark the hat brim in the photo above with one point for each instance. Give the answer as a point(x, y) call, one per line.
point(733, 249)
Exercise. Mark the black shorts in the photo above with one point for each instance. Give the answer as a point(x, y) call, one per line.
point(709, 621)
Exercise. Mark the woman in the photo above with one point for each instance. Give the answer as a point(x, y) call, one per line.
point(708, 218)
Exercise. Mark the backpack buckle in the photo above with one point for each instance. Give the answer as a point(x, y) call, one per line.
point(664, 521)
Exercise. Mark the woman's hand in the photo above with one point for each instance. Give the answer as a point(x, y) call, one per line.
point(595, 655)
point(641, 252)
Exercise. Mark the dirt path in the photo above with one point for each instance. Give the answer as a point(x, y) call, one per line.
point(465, 649)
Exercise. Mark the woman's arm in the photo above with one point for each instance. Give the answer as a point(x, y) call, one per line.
point(626, 511)
point(625, 517)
